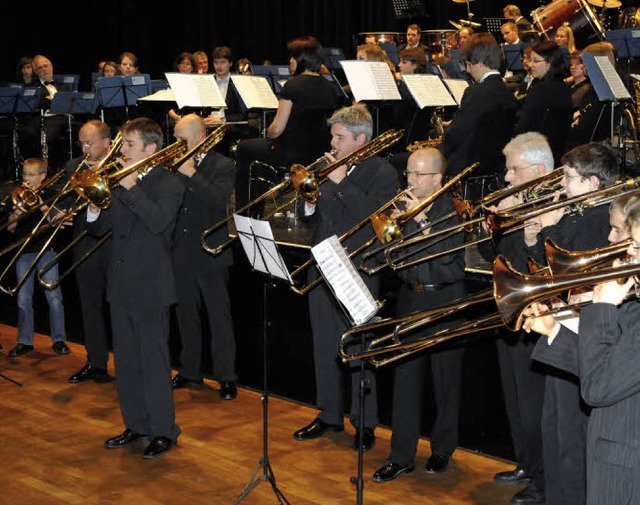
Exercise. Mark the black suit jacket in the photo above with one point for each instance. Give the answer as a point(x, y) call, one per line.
point(142, 220)
point(205, 202)
point(481, 127)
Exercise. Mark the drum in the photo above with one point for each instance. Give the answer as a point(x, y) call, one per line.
point(380, 37)
point(440, 41)
point(577, 14)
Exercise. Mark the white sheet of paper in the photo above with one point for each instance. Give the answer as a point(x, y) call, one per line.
point(255, 91)
point(195, 90)
point(428, 90)
point(370, 80)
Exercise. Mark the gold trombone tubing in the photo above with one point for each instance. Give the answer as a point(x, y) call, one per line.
point(306, 182)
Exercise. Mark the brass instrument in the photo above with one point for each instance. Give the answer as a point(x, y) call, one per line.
point(203, 147)
point(562, 261)
point(437, 126)
point(304, 290)
point(27, 199)
point(390, 348)
point(536, 190)
point(92, 185)
point(306, 182)
point(505, 219)
point(514, 291)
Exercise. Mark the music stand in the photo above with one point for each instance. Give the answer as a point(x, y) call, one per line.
point(492, 25)
point(8, 101)
point(260, 247)
point(277, 75)
point(70, 80)
point(627, 44)
point(136, 86)
point(110, 91)
point(332, 57)
point(513, 54)
point(406, 9)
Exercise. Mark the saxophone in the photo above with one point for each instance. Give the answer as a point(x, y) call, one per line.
point(437, 129)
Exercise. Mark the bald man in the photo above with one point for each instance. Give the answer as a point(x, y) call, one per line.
point(202, 280)
point(428, 285)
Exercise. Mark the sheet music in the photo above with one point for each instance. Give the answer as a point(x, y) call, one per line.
point(345, 282)
point(370, 80)
point(428, 90)
point(195, 90)
point(259, 245)
point(457, 88)
point(163, 95)
point(255, 91)
point(604, 78)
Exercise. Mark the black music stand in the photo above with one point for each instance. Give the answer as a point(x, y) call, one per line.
point(332, 57)
point(8, 102)
point(627, 44)
point(73, 102)
point(513, 54)
point(275, 74)
point(407, 9)
point(492, 25)
point(261, 250)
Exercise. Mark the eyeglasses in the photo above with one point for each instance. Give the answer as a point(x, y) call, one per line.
point(418, 174)
point(539, 60)
point(513, 170)
point(85, 144)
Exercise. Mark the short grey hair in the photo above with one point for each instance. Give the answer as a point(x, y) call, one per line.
point(533, 146)
point(355, 118)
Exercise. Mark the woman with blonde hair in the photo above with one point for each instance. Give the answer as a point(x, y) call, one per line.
point(564, 37)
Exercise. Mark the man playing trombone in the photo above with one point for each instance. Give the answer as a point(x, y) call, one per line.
point(428, 285)
point(140, 287)
point(349, 195)
point(94, 138)
point(202, 279)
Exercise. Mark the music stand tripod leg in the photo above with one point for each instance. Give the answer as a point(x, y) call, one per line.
point(267, 471)
point(362, 385)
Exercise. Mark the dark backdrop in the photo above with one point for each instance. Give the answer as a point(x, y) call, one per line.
point(76, 35)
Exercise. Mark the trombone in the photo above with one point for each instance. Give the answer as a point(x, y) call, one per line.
point(470, 215)
point(204, 146)
point(306, 182)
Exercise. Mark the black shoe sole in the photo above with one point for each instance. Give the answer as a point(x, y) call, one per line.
point(396, 475)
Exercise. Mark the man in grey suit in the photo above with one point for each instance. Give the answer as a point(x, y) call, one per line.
point(604, 358)
point(141, 289)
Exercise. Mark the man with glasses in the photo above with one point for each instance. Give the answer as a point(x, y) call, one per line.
point(587, 168)
point(484, 122)
point(428, 285)
point(527, 156)
point(94, 139)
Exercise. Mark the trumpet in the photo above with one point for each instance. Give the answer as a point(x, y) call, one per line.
point(306, 182)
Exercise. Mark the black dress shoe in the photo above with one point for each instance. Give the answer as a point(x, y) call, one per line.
point(368, 439)
point(179, 382)
point(89, 372)
point(125, 438)
point(437, 464)
point(390, 471)
point(60, 347)
point(530, 495)
point(316, 429)
point(228, 390)
point(20, 350)
point(158, 446)
point(517, 476)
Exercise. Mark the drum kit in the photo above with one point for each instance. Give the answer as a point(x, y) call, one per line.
point(577, 14)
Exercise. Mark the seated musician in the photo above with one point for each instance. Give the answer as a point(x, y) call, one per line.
point(425, 286)
point(298, 132)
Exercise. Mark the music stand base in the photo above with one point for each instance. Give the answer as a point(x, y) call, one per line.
point(254, 480)
point(19, 384)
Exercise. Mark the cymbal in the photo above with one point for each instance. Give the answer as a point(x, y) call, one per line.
point(607, 4)
point(457, 25)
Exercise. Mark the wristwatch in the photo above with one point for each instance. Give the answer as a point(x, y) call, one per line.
point(423, 223)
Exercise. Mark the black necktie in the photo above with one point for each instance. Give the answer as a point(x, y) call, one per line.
point(46, 83)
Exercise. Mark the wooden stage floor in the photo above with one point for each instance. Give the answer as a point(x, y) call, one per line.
point(51, 435)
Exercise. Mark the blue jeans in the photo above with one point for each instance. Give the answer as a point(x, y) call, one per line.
point(25, 299)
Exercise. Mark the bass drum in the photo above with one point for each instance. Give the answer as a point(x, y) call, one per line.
point(577, 14)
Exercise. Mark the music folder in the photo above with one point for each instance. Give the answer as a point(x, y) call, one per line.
point(344, 280)
point(195, 90)
point(428, 90)
point(370, 80)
